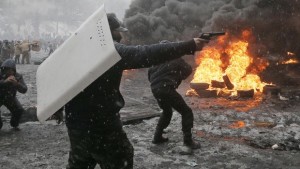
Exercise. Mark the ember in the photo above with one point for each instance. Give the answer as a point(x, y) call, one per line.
point(290, 58)
point(237, 125)
point(290, 54)
point(229, 62)
point(290, 61)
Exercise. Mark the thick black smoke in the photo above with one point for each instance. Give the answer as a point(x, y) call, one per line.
point(152, 20)
point(275, 24)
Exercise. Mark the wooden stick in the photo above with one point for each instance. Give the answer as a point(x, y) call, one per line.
point(228, 82)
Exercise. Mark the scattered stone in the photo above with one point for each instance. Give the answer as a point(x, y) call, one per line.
point(128, 80)
point(294, 125)
point(182, 150)
point(275, 146)
point(282, 97)
point(192, 163)
point(279, 126)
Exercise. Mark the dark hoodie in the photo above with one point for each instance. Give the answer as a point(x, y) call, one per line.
point(8, 90)
point(169, 74)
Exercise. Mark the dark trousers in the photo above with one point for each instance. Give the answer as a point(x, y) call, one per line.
point(167, 99)
point(17, 59)
point(110, 150)
point(25, 57)
point(15, 108)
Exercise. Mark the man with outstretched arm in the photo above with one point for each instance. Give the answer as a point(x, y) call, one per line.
point(165, 79)
point(92, 117)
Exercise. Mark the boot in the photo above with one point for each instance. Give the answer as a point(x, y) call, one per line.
point(189, 142)
point(14, 121)
point(158, 138)
point(16, 129)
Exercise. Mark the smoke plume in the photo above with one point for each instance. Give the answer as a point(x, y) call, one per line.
point(273, 23)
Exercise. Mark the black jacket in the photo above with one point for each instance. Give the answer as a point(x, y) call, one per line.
point(7, 90)
point(169, 74)
point(97, 107)
point(5, 52)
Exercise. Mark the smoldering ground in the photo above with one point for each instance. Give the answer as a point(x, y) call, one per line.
point(269, 122)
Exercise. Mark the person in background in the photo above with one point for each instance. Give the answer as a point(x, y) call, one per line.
point(165, 79)
point(5, 51)
point(18, 52)
point(26, 48)
point(12, 49)
point(51, 48)
point(92, 117)
point(11, 82)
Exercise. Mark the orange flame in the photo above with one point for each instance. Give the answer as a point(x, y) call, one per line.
point(230, 57)
point(237, 125)
point(290, 61)
point(290, 54)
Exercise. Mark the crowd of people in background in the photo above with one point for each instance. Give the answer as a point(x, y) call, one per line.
point(20, 50)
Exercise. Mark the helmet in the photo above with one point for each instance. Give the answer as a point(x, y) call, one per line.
point(115, 23)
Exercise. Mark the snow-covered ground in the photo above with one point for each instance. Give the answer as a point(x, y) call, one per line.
point(268, 120)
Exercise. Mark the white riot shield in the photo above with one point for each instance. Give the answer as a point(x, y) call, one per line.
point(84, 57)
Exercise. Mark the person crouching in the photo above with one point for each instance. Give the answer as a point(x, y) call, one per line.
point(11, 82)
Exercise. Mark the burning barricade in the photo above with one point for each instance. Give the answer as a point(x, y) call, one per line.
point(226, 68)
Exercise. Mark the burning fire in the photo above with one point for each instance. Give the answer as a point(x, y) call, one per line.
point(290, 54)
point(290, 61)
point(237, 125)
point(230, 57)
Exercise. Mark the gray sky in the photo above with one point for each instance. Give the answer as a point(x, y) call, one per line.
point(19, 18)
point(117, 6)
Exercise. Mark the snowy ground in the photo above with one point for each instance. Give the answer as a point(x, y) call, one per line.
point(268, 120)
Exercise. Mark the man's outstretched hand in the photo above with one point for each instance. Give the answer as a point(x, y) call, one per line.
point(200, 43)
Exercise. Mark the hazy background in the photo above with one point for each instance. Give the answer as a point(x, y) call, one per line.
point(21, 19)
point(275, 24)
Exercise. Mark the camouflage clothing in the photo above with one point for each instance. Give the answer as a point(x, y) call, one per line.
point(18, 52)
point(25, 48)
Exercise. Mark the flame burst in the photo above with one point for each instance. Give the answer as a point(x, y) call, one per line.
point(290, 54)
point(290, 61)
point(230, 57)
